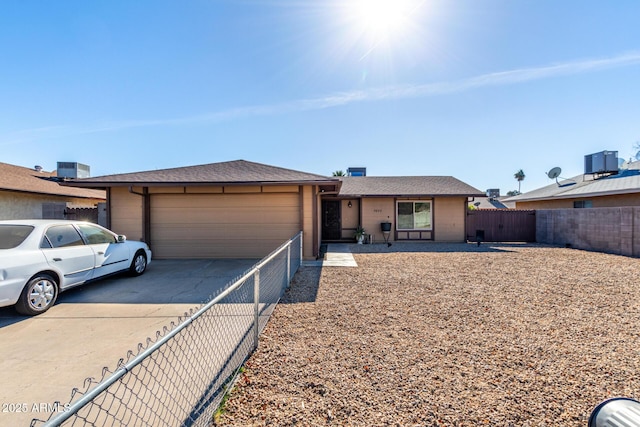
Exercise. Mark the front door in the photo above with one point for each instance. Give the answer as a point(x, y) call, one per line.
point(331, 220)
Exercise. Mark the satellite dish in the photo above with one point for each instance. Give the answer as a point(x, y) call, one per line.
point(623, 165)
point(555, 173)
point(638, 155)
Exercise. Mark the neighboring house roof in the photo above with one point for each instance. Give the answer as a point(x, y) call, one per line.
point(233, 172)
point(354, 186)
point(581, 186)
point(21, 179)
point(487, 203)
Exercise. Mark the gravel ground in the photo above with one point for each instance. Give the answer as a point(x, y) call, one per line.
point(447, 335)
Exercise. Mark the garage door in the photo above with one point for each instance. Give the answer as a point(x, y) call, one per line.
point(222, 225)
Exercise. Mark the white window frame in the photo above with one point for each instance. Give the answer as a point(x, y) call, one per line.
point(429, 202)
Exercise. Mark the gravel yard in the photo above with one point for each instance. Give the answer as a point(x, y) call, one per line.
point(447, 335)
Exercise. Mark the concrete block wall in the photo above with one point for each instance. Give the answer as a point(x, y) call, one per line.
point(611, 230)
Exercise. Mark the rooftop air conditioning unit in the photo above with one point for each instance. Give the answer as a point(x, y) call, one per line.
point(357, 171)
point(73, 170)
point(605, 162)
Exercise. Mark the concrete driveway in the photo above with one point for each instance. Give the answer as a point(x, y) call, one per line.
point(43, 358)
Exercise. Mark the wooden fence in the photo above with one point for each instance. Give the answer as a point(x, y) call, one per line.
point(82, 214)
point(501, 225)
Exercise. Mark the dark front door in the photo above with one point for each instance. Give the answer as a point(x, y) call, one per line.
point(331, 222)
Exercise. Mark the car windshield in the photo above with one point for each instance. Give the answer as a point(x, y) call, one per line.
point(13, 235)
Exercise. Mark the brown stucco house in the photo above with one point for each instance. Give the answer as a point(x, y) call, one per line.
point(427, 208)
point(220, 210)
point(27, 193)
point(246, 209)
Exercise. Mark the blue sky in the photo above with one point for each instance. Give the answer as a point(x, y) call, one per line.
point(477, 89)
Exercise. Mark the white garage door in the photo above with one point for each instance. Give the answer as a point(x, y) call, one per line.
point(222, 225)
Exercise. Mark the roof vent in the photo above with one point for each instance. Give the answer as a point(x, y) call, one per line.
point(357, 172)
point(73, 170)
point(37, 168)
point(602, 163)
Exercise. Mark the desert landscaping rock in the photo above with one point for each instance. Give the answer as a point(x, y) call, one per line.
point(447, 335)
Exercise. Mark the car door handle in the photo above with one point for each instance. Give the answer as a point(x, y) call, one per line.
point(57, 259)
point(100, 253)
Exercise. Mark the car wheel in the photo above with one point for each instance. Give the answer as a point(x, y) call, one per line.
point(38, 295)
point(139, 263)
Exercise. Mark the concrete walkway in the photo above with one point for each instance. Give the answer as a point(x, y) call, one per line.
point(338, 255)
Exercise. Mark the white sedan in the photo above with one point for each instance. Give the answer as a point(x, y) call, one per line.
point(41, 258)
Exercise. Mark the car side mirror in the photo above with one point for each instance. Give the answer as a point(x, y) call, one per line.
point(122, 238)
point(619, 411)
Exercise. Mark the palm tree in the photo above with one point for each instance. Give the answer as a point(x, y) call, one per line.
point(338, 173)
point(520, 177)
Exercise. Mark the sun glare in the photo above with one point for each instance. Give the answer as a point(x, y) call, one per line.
point(382, 26)
point(382, 18)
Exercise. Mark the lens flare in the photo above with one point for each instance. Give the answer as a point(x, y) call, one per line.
point(382, 18)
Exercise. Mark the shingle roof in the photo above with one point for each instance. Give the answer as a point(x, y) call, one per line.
point(625, 182)
point(406, 186)
point(487, 203)
point(17, 178)
point(233, 172)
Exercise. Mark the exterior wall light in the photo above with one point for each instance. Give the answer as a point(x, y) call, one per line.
point(349, 204)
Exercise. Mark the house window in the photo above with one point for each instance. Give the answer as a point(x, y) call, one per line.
point(578, 204)
point(413, 215)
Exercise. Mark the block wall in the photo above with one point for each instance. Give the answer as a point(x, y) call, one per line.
point(611, 230)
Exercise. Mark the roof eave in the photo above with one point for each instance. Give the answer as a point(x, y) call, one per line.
point(415, 195)
point(107, 184)
point(579, 196)
point(46, 193)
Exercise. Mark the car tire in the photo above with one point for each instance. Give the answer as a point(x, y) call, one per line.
point(138, 264)
point(39, 294)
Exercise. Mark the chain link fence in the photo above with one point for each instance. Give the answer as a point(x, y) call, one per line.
point(182, 377)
